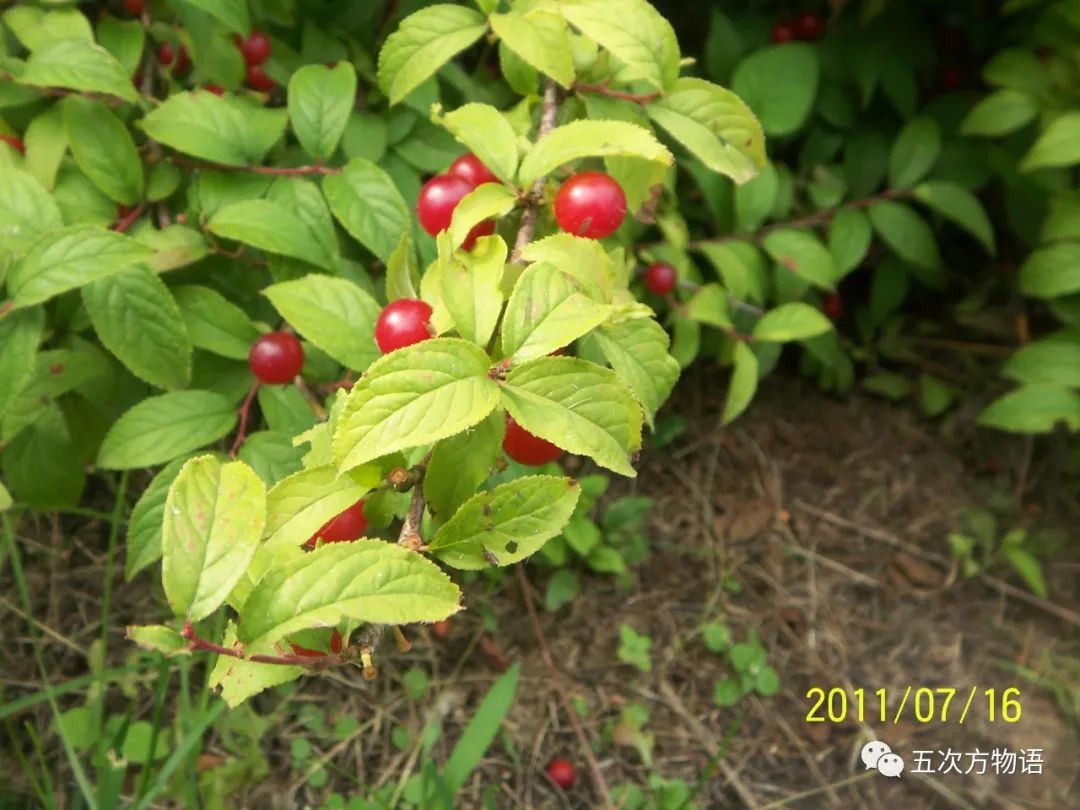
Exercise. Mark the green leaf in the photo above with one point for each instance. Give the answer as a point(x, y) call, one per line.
point(583, 259)
point(402, 271)
point(272, 455)
point(136, 318)
point(906, 233)
point(124, 39)
point(1051, 271)
point(222, 129)
point(541, 39)
point(1001, 113)
point(20, 334)
point(914, 152)
point(320, 102)
point(635, 648)
point(637, 349)
point(298, 506)
point(333, 313)
point(519, 74)
point(214, 323)
point(1029, 568)
point(272, 227)
point(175, 246)
point(716, 637)
point(240, 679)
point(40, 464)
point(234, 13)
point(214, 517)
point(36, 28)
point(423, 43)
point(414, 396)
point(158, 638)
point(26, 210)
point(144, 524)
point(78, 64)
point(161, 428)
point(850, 234)
point(794, 321)
point(890, 385)
point(935, 396)
point(506, 524)
point(803, 254)
point(779, 84)
point(957, 204)
point(470, 287)
point(744, 383)
point(461, 464)
point(487, 134)
point(582, 535)
point(1057, 147)
point(68, 258)
point(545, 313)
point(368, 204)
point(487, 201)
point(633, 31)
point(578, 406)
point(46, 145)
point(1052, 361)
point(367, 580)
point(484, 725)
point(103, 149)
point(1063, 219)
point(755, 200)
point(710, 306)
point(741, 266)
point(767, 682)
point(1033, 409)
point(562, 589)
point(580, 139)
point(715, 125)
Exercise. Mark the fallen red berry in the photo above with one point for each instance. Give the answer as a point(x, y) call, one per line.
point(402, 323)
point(344, 527)
point(809, 26)
point(783, 32)
point(437, 200)
point(255, 49)
point(135, 7)
point(525, 448)
point(833, 306)
point(471, 170)
point(258, 80)
point(276, 358)
point(562, 773)
point(14, 142)
point(590, 204)
point(660, 278)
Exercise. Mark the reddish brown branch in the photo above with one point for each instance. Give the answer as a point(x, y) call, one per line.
point(604, 90)
point(197, 643)
point(275, 171)
point(245, 412)
point(129, 219)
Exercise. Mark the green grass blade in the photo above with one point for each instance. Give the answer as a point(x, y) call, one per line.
point(481, 730)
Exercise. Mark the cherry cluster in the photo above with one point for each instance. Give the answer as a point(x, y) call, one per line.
point(806, 27)
point(256, 50)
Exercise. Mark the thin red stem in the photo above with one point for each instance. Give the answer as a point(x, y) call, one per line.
point(129, 219)
point(604, 90)
point(197, 643)
point(245, 410)
point(276, 171)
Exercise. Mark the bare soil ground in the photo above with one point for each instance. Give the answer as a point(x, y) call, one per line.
point(830, 515)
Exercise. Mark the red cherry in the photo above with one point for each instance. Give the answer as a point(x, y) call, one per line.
point(590, 204)
point(216, 89)
point(952, 78)
point(304, 652)
point(402, 323)
point(183, 62)
point(343, 528)
point(165, 54)
point(441, 629)
point(135, 6)
point(562, 773)
point(525, 448)
point(471, 170)
point(783, 32)
point(833, 306)
point(258, 80)
point(335, 642)
point(485, 228)
point(437, 201)
point(276, 358)
point(660, 278)
point(255, 49)
point(809, 26)
point(14, 142)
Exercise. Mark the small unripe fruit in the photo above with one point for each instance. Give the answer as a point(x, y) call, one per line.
point(344, 527)
point(783, 32)
point(135, 7)
point(276, 358)
point(14, 142)
point(809, 26)
point(562, 773)
point(255, 49)
point(402, 323)
point(525, 448)
point(590, 204)
point(472, 171)
point(660, 278)
point(437, 200)
point(258, 80)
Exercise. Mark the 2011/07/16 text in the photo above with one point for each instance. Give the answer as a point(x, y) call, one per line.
point(926, 704)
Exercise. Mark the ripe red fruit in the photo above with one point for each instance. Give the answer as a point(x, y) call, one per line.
point(135, 6)
point(183, 61)
point(485, 228)
point(216, 89)
point(437, 201)
point(562, 773)
point(335, 642)
point(344, 527)
point(258, 80)
point(14, 142)
point(471, 170)
point(165, 54)
point(783, 32)
point(403, 323)
point(441, 629)
point(660, 278)
point(255, 49)
point(276, 358)
point(833, 306)
point(590, 204)
point(809, 26)
point(305, 652)
point(525, 448)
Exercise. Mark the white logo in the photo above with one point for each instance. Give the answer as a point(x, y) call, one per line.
point(879, 756)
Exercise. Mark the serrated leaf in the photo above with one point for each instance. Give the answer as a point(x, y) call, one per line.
point(471, 291)
point(135, 317)
point(46, 144)
point(1001, 113)
point(461, 464)
point(272, 455)
point(582, 259)
point(578, 406)
point(779, 84)
point(715, 125)
point(320, 101)
point(1033, 409)
point(541, 39)
point(367, 203)
point(794, 321)
point(1052, 271)
point(333, 313)
point(78, 64)
point(414, 396)
point(124, 39)
point(272, 227)
point(850, 235)
point(506, 524)
point(103, 149)
point(174, 247)
point(214, 323)
point(1053, 360)
point(487, 201)
point(906, 233)
point(161, 428)
point(957, 204)
point(20, 334)
point(304, 197)
point(158, 638)
point(145, 522)
point(914, 152)
point(297, 506)
point(637, 349)
point(214, 517)
point(423, 43)
point(234, 13)
point(709, 305)
point(26, 210)
point(36, 27)
point(1057, 147)
point(580, 139)
point(367, 580)
point(741, 267)
point(402, 271)
point(68, 258)
point(803, 254)
point(545, 313)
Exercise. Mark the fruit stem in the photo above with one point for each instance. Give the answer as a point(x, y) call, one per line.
point(245, 410)
point(604, 90)
point(532, 205)
point(128, 219)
